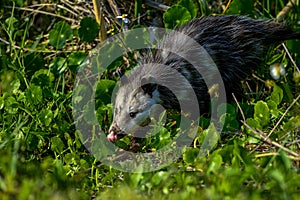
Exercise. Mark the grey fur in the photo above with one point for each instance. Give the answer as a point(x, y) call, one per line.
point(236, 45)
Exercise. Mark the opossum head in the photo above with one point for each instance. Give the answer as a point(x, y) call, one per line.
point(132, 107)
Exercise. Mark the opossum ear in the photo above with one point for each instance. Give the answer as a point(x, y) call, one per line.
point(148, 84)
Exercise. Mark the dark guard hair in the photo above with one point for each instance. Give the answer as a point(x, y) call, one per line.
point(236, 45)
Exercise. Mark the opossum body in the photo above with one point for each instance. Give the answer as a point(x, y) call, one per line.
point(235, 44)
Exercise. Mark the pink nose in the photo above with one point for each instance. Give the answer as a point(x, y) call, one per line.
point(112, 136)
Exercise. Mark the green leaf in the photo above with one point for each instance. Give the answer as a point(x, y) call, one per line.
point(1, 102)
point(209, 138)
point(273, 108)
point(90, 113)
point(89, 29)
point(11, 105)
point(241, 7)
point(104, 91)
point(190, 155)
point(262, 113)
point(42, 77)
point(109, 57)
point(60, 33)
point(34, 95)
point(176, 16)
point(159, 177)
point(277, 94)
point(137, 38)
point(190, 5)
point(292, 124)
point(215, 163)
point(57, 144)
point(9, 82)
point(103, 111)
point(46, 117)
point(226, 108)
point(58, 65)
point(75, 60)
point(293, 46)
point(229, 122)
point(253, 123)
point(33, 62)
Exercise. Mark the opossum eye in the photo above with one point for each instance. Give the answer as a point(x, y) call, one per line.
point(132, 114)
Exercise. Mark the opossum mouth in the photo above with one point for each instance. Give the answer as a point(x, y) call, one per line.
point(113, 136)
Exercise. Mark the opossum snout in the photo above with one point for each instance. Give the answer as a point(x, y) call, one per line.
point(112, 136)
point(114, 133)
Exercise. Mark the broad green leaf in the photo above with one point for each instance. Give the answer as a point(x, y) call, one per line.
point(75, 60)
point(226, 108)
point(176, 16)
point(262, 113)
point(277, 94)
point(104, 91)
point(209, 138)
point(43, 77)
point(34, 95)
point(109, 56)
point(33, 62)
point(60, 33)
point(215, 163)
point(293, 46)
point(288, 91)
point(137, 38)
point(90, 113)
point(11, 105)
point(241, 7)
point(190, 155)
point(39, 75)
point(58, 65)
point(46, 117)
point(253, 123)
point(89, 29)
point(229, 122)
point(190, 5)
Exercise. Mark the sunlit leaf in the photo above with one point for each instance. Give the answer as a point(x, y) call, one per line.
point(58, 65)
point(34, 95)
point(241, 7)
point(89, 29)
point(176, 16)
point(59, 34)
point(46, 117)
point(277, 94)
point(262, 113)
point(190, 155)
point(104, 91)
point(190, 5)
point(75, 60)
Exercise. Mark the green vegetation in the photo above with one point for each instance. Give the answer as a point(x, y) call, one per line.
point(44, 43)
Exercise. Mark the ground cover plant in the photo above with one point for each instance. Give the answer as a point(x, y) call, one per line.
point(44, 43)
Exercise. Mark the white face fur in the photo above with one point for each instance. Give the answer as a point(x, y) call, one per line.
point(131, 110)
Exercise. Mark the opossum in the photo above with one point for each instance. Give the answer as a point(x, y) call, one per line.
point(236, 44)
